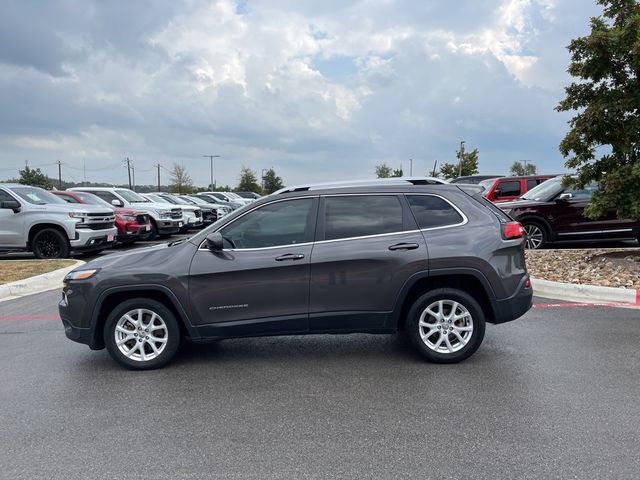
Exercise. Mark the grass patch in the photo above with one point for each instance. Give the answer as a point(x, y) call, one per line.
point(13, 270)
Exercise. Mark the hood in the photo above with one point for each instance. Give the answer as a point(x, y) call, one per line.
point(152, 206)
point(73, 207)
point(138, 258)
point(516, 204)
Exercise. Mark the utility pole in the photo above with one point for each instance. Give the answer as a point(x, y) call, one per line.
point(84, 170)
point(133, 177)
point(461, 157)
point(263, 170)
point(411, 167)
point(158, 165)
point(211, 157)
point(433, 173)
point(59, 175)
point(129, 171)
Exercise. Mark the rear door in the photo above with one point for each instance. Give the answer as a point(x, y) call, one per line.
point(259, 283)
point(367, 246)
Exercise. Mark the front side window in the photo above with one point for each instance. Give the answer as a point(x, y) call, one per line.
point(361, 215)
point(509, 189)
point(276, 224)
point(131, 196)
point(106, 196)
point(5, 197)
point(433, 212)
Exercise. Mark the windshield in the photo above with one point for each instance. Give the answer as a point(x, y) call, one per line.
point(173, 200)
point(37, 195)
point(157, 198)
point(91, 199)
point(194, 200)
point(132, 197)
point(545, 191)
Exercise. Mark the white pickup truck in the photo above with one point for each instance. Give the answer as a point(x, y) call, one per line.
point(32, 219)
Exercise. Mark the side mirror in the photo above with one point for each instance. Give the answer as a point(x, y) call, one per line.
point(116, 203)
point(565, 196)
point(214, 242)
point(11, 204)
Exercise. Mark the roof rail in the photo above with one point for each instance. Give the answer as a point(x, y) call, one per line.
point(363, 183)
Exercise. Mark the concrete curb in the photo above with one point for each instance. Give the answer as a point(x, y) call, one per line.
point(585, 293)
point(37, 284)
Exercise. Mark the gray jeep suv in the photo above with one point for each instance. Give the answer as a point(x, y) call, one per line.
point(437, 261)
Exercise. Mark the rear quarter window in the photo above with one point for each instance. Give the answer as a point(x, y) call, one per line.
point(432, 212)
point(509, 189)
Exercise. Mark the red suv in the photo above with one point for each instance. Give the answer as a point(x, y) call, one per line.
point(131, 225)
point(510, 188)
point(551, 212)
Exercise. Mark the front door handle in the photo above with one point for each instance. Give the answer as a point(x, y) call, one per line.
point(290, 256)
point(404, 246)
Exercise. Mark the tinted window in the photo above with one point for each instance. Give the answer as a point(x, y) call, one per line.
point(281, 223)
point(532, 183)
point(509, 189)
point(433, 211)
point(357, 216)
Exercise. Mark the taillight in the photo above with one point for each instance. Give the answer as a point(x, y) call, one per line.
point(512, 230)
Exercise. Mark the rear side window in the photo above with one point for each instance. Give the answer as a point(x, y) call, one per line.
point(509, 189)
point(361, 215)
point(532, 183)
point(432, 212)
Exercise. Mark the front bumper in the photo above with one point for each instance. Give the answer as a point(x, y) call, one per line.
point(87, 239)
point(167, 227)
point(513, 307)
point(74, 310)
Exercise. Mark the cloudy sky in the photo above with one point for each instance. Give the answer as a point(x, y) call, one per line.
point(320, 90)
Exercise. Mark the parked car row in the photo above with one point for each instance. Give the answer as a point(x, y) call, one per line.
point(52, 224)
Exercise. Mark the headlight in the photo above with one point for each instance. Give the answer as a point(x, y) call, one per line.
point(81, 274)
point(79, 216)
point(164, 213)
point(127, 218)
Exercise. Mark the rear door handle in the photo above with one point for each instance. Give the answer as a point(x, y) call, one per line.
point(290, 256)
point(404, 246)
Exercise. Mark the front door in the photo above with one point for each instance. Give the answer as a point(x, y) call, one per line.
point(12, 232)
point(259, 283)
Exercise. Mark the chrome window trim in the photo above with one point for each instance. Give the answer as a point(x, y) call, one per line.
point(366, 236)
point(464, 221)
point(257, 207)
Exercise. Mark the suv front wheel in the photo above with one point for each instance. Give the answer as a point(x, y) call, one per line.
point(446, 325)
point(142, 334)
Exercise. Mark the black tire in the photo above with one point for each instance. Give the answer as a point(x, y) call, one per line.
point(153, 233)
point(536, 236)
point(170, 333)
point(470, 316)
point(50, 243)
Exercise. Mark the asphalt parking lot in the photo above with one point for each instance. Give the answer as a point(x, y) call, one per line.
point(551, 395)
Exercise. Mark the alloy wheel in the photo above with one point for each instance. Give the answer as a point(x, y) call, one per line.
point(141, 334)
point(48, 245)
point(446, 326)
point(534, 236)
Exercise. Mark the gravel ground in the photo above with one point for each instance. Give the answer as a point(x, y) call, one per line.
point(609, 267)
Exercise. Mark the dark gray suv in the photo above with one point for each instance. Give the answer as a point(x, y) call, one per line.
point(436, 261)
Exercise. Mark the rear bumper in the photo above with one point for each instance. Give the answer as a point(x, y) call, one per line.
point(513, 307)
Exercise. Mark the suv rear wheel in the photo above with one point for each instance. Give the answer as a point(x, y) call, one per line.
point(536, 235)
point(50, 243)
point(142, 334)
point(446, 325)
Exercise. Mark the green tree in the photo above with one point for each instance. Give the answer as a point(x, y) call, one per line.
point(272, 182)
point(180, 180)
point(34, 177)
point(385, 171)
point(519, 169)
point(469, 165)
point(603, 143)
point(248, 181)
